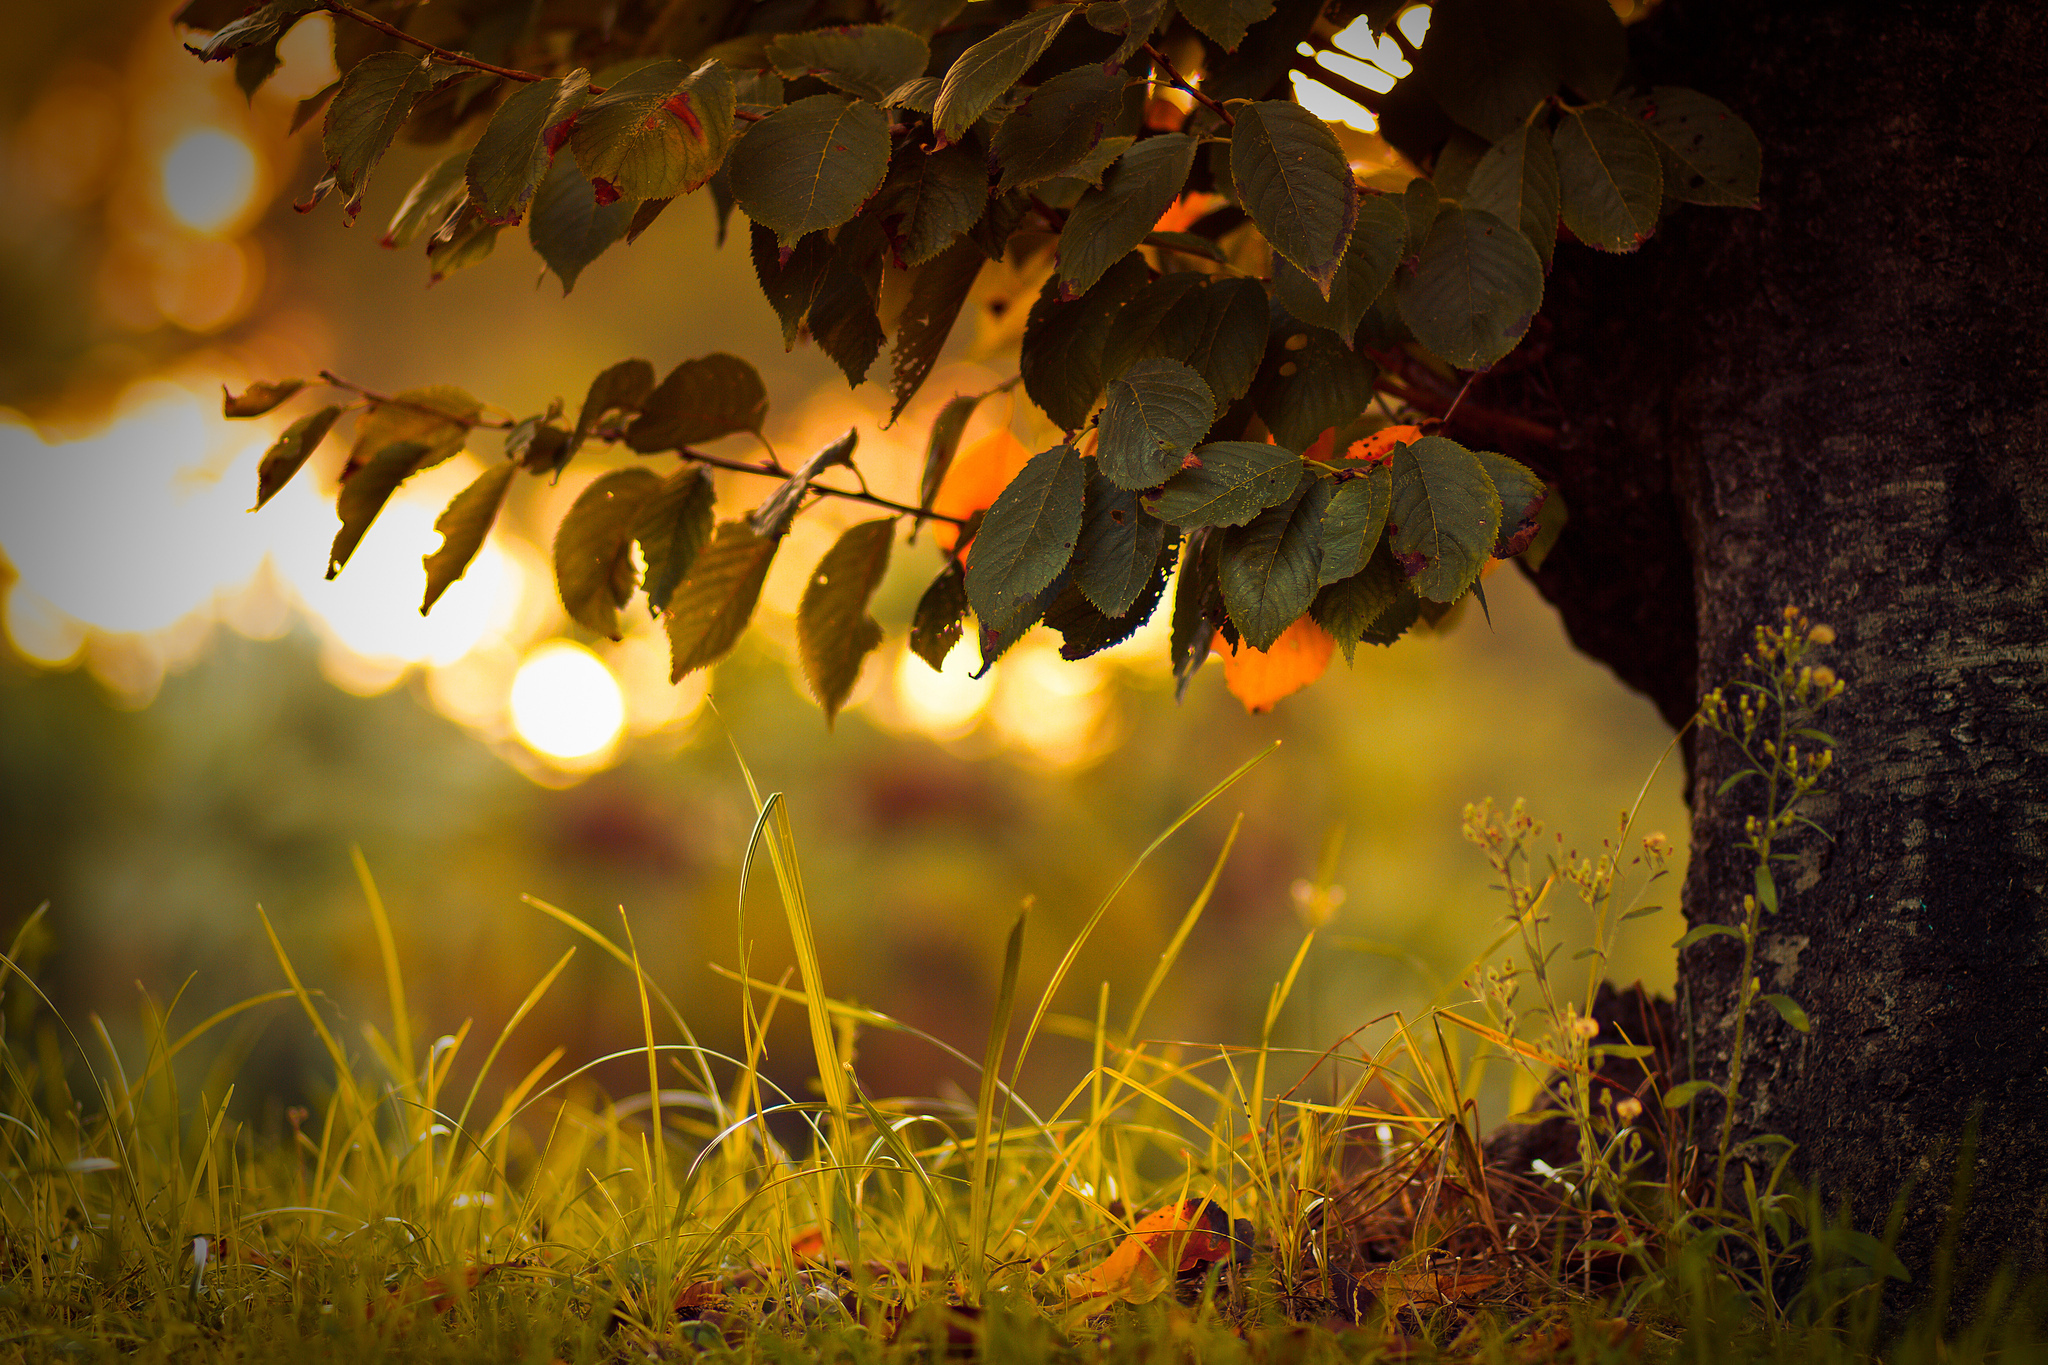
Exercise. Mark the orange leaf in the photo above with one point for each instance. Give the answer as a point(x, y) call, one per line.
point(1186, 211)
point(1183, 1236)
point(1260, 677)
point(808, 1244)
point(1380, 445)
point(977, 475)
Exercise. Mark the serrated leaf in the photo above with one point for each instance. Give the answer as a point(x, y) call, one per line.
point(1442, 517)
point(1487, 64)
point(1473, 289)
point(868, 60)
point(1268, 570)
point(1227, 484)
point(924, 17)
point(618, 388)
point(1109, 222)
point(811, 164)
point(1521, 502)
point(290, 451)
point(1373, 605)
point(593, 548)
point(1085, 629)
point(1217, 327)
point(700, 400)
point(463, 524)
point(1700, 933)
point(996, 640)
point(434, 198)
point(938, 197)
point(376, 95)
point(260, 27)
point(1153, 415)
point(920, 95)
point(772, 517)
point(1516, 182)
point(1294, 180)
point(438, 416)
point(937, 624)
point(568, 227)
point(985, 72)
point(1062, 355)
point(937, 293)
point(943, 443)
point(1225, 22)
point(1788, 1009)
point(1310, 382)
point(789, 279)
point(1610, 180)
point(671, 527)
point(662, 130)
point(1197, 606)
point(1120, 547)
point(845, 318)
point(1378, 241)
point(1057, 125)
point(710, 608)
point(258, 398)
point(1352, 522)
point(834, 632)
point(1710, 156)
point(1136, 20)
point(462, 241)
point(508, 161)
point(364, 493)
point(1187, 244)
point(1027, 538)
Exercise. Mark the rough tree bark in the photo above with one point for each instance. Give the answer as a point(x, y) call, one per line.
point(1841, 402)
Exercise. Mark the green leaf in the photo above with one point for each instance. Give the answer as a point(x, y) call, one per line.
point(811, 164)
point(1442, 516)
point(461, 242)
point(1452, 174)
point(845, 318)
point(463, 525)
point(375, 97)
point(1374, 604)
point(1352, 523)
point(700, 400)
point(1217, 327)
point(1225, 21)
point(985, 72)
point(1700, 933)
point(508, 161)
point(1109, 222)
point(1294, 180)
point(1310, 381)
point(661, 131)
point(438, 416)
point(1378, 241)
point(1592, 46)
point(1710, 156)
point(920, 95)
point(1027, 538)
point(1516, 182)
point(943, 443)
point(790, 279)
point(1121, 546)
point(938, 291)
point(434, 198)
point(1062, 355)
point(1473, 289)
point(938, 197)
point(544, 449)
point(1679, 1096)
point(1154, 414)
point(1230, 483)
point(290, 451)
point(936, 625)
point(620, 388)
point(712, 605)
point(1057, 125)
point(1420, 205)
point(1521, 502)
point(364, 493)
point(1788, 1009)
point(1187, 244)
point(261, 397)
point(1487, 64)
point(1136, 20)
point(1766, 890)
point(1269, 565)
point(772, 517)
point(260, 27)
point(671, 527)
point(1610, 180)
point(834, 632)
point(1084, 628)
point(1197, 606)
point(593, 548)
point(868, 60)
point(568, 227)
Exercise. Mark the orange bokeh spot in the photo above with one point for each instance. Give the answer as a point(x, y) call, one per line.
point(1260, 677)
point(1186, 211)
point(978, 475)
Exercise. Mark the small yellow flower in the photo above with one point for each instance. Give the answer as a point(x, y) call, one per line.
point(1629, 1110)
point(1822, 635)
point(1588, 1029)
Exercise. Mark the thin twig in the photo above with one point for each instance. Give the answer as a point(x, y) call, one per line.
point(367, 20)
point(385, 400)
point(1179, 82)
point(772, 470)
point(1463, 389)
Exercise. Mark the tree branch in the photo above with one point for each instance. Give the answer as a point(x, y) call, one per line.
point(368, 20)
point(1180, 83)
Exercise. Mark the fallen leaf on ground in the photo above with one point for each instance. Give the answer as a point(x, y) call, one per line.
point(1165, 1242)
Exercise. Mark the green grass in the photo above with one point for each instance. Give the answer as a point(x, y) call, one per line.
point(531, 1219)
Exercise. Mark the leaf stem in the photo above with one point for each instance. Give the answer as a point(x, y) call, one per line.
point(386, 400)
point(1181, 83)
point(771, 469)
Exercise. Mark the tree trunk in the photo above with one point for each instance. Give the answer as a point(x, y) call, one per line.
point(1838, 403)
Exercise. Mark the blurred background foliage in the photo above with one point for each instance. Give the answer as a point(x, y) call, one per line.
point(193, 722)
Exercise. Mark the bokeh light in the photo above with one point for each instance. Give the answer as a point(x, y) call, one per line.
point(209, 179)
point(566, 705)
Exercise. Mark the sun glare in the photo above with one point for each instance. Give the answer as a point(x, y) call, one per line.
point(566, 705)
point(209, 179)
